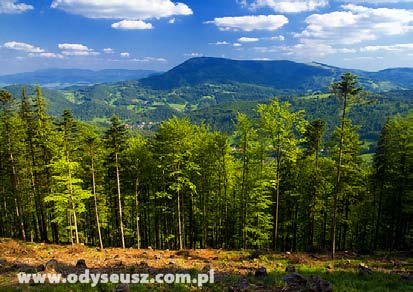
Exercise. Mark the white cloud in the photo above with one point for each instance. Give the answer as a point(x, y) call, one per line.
point(237, 45)
point(172, 21)
point(220, 43)
point(250, 22)
point(356, 24)
point(248, 40)
point(149, 60)
point(122, 9)
point(390, 48)
point(132, 25)
point(377, 1)
point(80, 53)
point(11, 7)
point(125, 55)
point(277, 38)
point(22, 47)
point(47, 55)
point(74, 47)
point(76, 50)
point(108, 51)
point(290, 6)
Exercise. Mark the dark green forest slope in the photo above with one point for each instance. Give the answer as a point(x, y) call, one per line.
point(213, 90)
point(277, 181)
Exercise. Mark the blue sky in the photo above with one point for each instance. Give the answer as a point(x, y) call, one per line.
point(160, 34)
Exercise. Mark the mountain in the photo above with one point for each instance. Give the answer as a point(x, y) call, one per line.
point(278, 74)
point(60, 78)
point(287, 76)
point(214, 90)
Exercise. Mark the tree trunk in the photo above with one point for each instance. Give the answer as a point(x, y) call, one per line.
point(138, 234)
point(96, 203)
point(119, 201)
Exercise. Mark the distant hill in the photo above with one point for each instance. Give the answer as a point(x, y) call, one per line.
point(282, 75)
point(214, 90)
point(277, 74)
point(60, 78)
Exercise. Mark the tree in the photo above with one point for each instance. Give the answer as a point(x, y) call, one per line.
point(282, 129)
point(348, 92)
point(115, 138)
point(91, 147)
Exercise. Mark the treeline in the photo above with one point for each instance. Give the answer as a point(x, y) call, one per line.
point(274, 183)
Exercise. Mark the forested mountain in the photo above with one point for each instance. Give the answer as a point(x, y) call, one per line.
point(214, 90)
point(285, 76)
point(278, 180)
point(59, 78)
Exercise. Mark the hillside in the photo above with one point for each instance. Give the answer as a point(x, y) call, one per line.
point(285, 76)
point(214, 90)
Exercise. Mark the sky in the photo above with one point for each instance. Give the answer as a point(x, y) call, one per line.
point(160, 34)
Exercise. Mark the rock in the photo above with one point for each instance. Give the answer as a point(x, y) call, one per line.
point(290, 269)
point(242, 285)
point(81, 264)
point(121, 288)
point(254, 255)
point(206, 268)
point(295, 279)
point(157, 257)
point(364, 269)
point(183, 253)
point(317, 284)
point(406, 277)
point(330, 267)
point(288, 253)
point(172, 263)
point(143, 264)
point(279, 265)
point(51, 266)
point(261, 272)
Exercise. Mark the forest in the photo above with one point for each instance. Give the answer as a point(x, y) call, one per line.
point(276, 182)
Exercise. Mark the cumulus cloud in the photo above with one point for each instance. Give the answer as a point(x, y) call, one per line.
point(248, 40)
point(132, 25)
point(22, 47)
point(76, 50)
point(122, 9)
point(11, 7)
point(250, 22)
point(74, 47)
point(357, 24)
point(125, 55)
point(290, 6)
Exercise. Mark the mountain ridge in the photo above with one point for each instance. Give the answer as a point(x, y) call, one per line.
point(280, 74)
